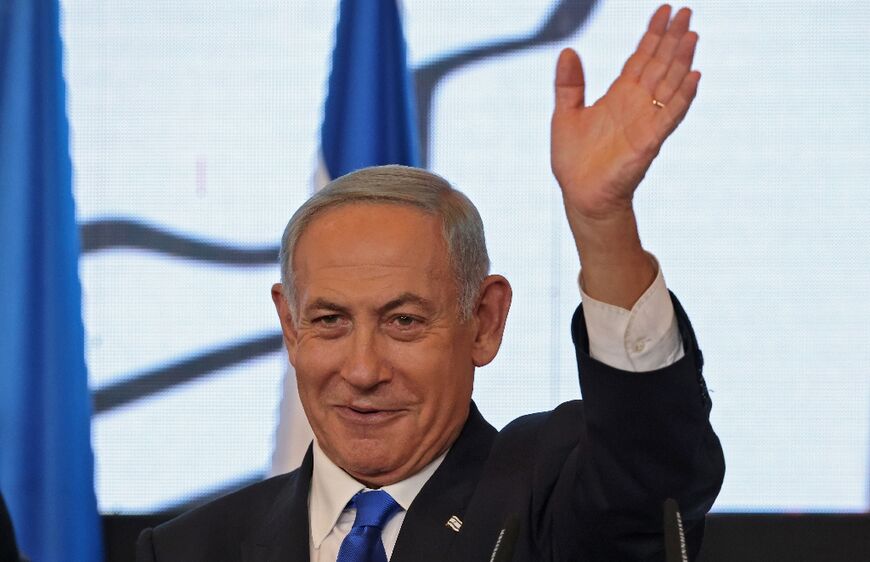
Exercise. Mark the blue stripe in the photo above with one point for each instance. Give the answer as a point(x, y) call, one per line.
point(369, 117)
point(46, 461)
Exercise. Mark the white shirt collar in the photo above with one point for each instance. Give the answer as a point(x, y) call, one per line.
point(332, 488)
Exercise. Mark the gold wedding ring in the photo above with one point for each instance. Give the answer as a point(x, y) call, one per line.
point(658, 104)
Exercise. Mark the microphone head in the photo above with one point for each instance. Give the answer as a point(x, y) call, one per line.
point(675, 540)
point(503, 551)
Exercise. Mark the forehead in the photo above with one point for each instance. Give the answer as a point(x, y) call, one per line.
point(360, 242)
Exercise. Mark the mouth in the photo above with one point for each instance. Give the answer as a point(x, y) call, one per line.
point(367, 415)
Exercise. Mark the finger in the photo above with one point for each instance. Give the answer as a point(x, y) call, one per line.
point(658, 24)
point(680, 67)
point(675, 111)
point(658, 65)
point(570, 84)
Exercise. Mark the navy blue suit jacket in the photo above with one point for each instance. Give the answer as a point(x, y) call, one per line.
point(586, 481)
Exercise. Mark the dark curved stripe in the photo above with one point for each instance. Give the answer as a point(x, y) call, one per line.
point(152, 382)
point(564, 20)
point(107, 234)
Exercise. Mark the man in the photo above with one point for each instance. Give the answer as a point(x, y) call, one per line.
point(387, 308)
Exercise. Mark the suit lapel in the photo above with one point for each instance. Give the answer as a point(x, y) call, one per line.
point(425, 533)
point(285, 534)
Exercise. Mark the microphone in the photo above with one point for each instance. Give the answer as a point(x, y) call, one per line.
point(507, 539)
point(675, 540)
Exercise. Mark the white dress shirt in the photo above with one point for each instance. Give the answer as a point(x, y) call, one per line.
point(330, 517)
point(644, 338)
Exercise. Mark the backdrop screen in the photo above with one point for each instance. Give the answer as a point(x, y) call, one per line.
point(195, 132)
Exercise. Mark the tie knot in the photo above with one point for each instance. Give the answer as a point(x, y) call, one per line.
point(374, 509)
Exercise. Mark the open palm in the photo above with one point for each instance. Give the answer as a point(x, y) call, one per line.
point(600, 153)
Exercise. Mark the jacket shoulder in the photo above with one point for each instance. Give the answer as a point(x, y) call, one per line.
point(215, 530)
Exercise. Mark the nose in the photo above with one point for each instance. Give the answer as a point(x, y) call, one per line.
point(364, 367)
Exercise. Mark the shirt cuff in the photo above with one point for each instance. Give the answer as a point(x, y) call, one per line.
point(645, 338)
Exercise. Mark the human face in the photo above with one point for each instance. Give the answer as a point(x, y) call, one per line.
point(383, 362)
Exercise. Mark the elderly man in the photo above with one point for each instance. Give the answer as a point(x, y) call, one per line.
point(387, 308)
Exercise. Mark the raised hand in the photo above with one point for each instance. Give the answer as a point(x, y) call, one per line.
point(600, 153)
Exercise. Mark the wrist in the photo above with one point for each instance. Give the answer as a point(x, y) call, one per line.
point(606, 238)
point(615, 268)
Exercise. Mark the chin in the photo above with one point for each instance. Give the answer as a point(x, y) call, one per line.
point(369, 464)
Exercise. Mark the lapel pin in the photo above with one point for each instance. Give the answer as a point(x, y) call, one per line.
point(454, 523)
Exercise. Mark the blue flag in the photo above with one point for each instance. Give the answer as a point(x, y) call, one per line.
point(369, 118)
point(46, 461)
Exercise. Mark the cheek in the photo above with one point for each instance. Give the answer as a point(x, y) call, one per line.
point(458, 378)
point(314, 364)
point(437, 376)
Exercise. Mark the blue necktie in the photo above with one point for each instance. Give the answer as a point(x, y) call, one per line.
point(363, 543)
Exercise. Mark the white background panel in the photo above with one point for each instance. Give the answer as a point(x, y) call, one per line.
point(201, 118)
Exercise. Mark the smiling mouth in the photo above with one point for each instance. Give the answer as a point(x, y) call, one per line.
point(365, 415)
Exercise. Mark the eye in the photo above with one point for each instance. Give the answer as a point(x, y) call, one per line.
point(405, 321)
point(405, 326)
point(327, 320)
point(331, 325)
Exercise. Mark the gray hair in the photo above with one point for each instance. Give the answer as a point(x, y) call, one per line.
point(401, 185)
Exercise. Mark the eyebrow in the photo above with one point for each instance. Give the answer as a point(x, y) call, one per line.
point(401, 300)
point(406, 298)
point(323, 304)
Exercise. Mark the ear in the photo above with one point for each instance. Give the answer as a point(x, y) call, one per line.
point(489, 318)
point(288, 325)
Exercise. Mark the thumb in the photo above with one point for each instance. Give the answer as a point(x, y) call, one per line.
point(570, 84)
